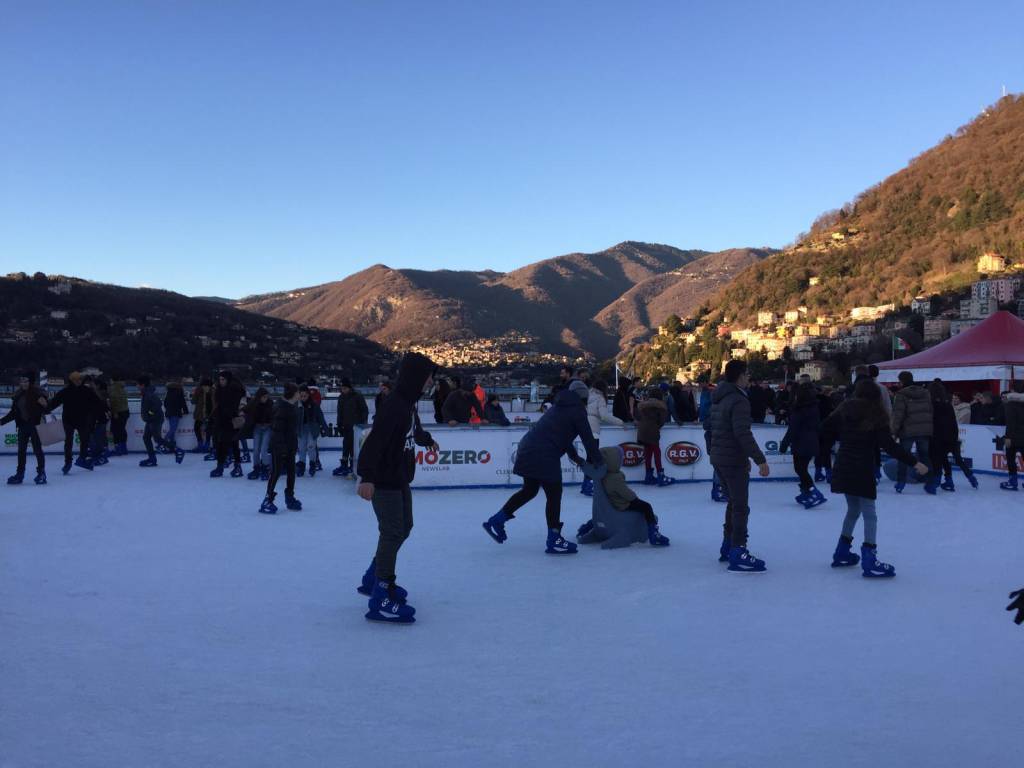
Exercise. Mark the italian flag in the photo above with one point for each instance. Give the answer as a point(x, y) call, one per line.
point(899, 345)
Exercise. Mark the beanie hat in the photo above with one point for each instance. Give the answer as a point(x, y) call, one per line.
point(346, 383)
point(579, 389)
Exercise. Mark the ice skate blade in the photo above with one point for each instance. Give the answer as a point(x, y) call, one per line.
point(490, 532)
point(380, 618)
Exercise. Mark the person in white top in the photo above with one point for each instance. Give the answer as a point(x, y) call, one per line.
point(598, 413)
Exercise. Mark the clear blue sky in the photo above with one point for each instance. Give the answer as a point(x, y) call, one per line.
point(238, 147)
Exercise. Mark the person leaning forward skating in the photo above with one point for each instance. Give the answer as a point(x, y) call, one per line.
point(386, 467)
point(731, 447)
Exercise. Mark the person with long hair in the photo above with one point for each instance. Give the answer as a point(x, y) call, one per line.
point(946, 438)
point(803, 436)
point(598, 414)
point(861, 427)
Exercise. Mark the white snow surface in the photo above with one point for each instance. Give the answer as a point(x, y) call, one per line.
point(154, 618)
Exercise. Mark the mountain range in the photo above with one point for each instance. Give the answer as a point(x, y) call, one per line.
point(580, 303)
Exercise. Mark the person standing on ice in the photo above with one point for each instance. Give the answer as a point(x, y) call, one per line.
point(912, 424)
point(352, 411)
point(651, 415)
point(78, 405)
point(946, 438)
point(862, 429)
point(731, 446)
point(1013, 442)
point(386, 468)
point(598, 414)
point(539, 463)
point(226, 419)
point(118, 416)
point(152, 414)
point(284, 443)
point(27, 409)
point(803, 435)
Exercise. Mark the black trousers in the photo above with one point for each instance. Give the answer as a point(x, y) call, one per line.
point(28, 435)
point(83, 432)
point(227, 441)
point(151, 433)
point(736, 481)
point(348, 439)
point(1011, 458)
point(281, 462)
point(800, 464)
point(645, 509)
point(393, 508)
point(940, 451)
point(118, 424)
point(552, 496)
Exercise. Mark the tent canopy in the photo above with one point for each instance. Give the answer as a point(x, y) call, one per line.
point(994, 346)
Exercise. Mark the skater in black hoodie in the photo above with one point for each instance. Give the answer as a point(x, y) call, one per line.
point(284, 442)
point(227, 420)
point(78, 405)
point(387, 464)
point(27, 409)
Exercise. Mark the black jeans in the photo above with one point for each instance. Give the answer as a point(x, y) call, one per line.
point(348, 439)
point(1011, 458)
point(645, 509)
point(118, 424)
point(552, 496)
point(281, 462)
point(940, 451)
point(28, 435)
point(227, 441)
point(800, 464)
point(737, 484)
point(393, 508)
point(69, 441)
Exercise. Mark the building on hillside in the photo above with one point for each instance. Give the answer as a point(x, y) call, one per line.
point(62, 288)
point(936, 329)
point(977, 309)
point(922, 305)
point(862, 330)
point(815, 369)
point(803, 353)
point(871, 313)
point(1004, 289)
point(58, 314)
point(792, 316)
point(959, 326)
point(766, 318)
point(813, 281)
point(991, 262)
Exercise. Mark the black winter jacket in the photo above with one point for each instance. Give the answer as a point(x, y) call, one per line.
point(460, 406)
point(859, 442)
point(26, 412)
point(352, 409)
point(804, 428)
point(284, 427)
point(226, 401)
point(539, 455)
point(259, 414)
point(80, 405)
point(945, 429)
point(174, 402)
point(149, 408)
point(727, 434)
point(388, 457)
point(1014, 412)
point(912, 412)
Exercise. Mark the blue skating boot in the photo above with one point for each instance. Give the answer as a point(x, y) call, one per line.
point(874, 568)
point(819, 475)
point(217, 471)
point(264, 473)
point(803, 497)
point(341, 470)
point(495, 526)
point(312, 468)
point(843, 555)
point(370, 578)
point(1009, 485)
point(236, 471)
point(655, 537)
point(255, 474)
point(268, 507)
point(211, 456)
point(900, 486)
point(291, 502)
point(972, 480)
point(150, 462)
point(931, 486)
point(179, 455)
point(649, 478)
point(828, 475)
point(584, 529)
point(947, 484)
point(17, 478)
point(587, 488)
point(815, 498)
point(100, 460)
point(300, 468)
point(718, 493)
point(556, 545)
point(319, 466)
point(723, 551)
point(741, 561)
point(246, 457)
point(83, 463)
point(66, 468)
point(663, 479)
point(385, 606)
point(40, 478)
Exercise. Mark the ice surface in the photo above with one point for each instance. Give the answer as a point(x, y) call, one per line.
point(153, 618)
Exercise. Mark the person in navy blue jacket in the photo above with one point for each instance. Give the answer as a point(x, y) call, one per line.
point(539, 463)
point(803, 437)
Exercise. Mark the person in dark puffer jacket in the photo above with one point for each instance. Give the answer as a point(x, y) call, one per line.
point(284, 443)
point(78, 406)
point(946, 438)
point(152, 414)
point(539, 462)
point(731, 447)
point(259, 416)
point(913, 425)
point(28, 406)
point(352, 410)
point(803, 436)
point(1013, 441)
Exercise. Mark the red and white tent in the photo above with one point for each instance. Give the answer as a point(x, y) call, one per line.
point(992, 351)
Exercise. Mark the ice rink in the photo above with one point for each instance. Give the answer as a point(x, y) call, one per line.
point(153, 618)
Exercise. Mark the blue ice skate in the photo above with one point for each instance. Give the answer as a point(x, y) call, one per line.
point(495, 526)
point(663, 479)
point(291, 502)
point(584, 529)
point(370, 578)
point(300, 468)
point(83, 463)
point(268, 507)
point(150, 462)
point(66, 468)
point(649, 478)
point(587, 488)
point(873, 567)
point(655, 537)
point(556, 545)
point(40, 478)
point(844, 555)
point(217, 471)
point(718, 493)
point(384, 606)
point(899, 487)
point(17, 478)
point(723, 551)
point(741, 561)
point(814, 498)
point(236, 471)
point(255, 474)
point(1009, 485)
point(246, 457)
point(264, 473)
point(931, 486)
point(947, 485)
point(179, 455)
